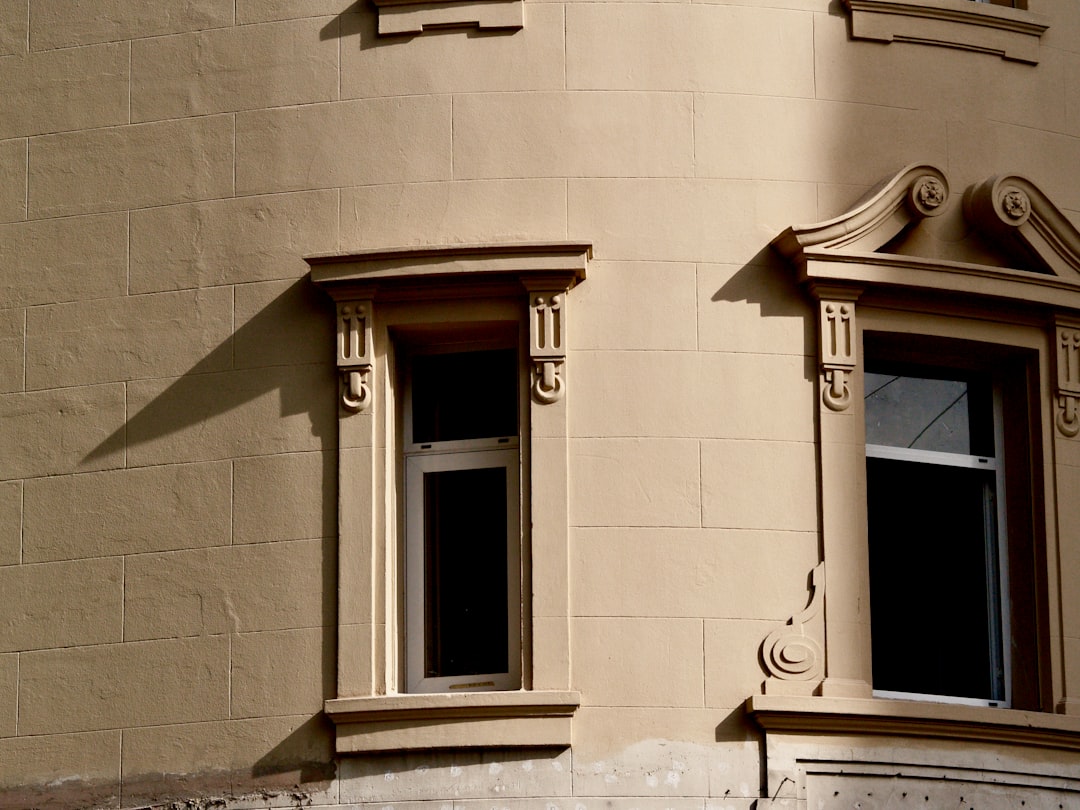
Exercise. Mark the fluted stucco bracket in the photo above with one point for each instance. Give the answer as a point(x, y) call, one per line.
point(449, 720)
point(1007, 32)
point(909, 718)
point(545, 270)
point(914, 193)
point(409, 17)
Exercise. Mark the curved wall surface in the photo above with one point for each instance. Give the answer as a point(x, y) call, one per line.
point(180, 579)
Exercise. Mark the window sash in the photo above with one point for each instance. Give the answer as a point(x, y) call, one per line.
point(995, 560)
point(417, 595)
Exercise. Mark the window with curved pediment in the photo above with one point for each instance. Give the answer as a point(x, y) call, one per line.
point(949, 361)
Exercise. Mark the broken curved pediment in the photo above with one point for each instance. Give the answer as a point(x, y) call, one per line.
point(1001, 238)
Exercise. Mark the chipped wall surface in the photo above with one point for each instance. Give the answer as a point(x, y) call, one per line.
point(172, 451)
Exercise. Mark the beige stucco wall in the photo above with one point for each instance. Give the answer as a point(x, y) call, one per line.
point(168, 417)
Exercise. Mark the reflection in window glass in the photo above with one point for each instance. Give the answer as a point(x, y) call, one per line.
point(921, 413)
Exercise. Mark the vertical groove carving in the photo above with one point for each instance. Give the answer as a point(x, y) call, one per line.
point(837, 351)
point(354, 357)
point(547, 343)
point(1068, 379)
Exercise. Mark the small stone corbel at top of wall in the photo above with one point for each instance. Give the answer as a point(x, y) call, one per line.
point(410, 17)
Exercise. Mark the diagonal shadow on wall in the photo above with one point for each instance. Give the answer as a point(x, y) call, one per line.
point(266, 389)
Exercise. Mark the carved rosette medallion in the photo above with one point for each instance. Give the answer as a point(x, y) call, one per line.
point(928, 193)
point(837, 350)
point(1068, 380)
point(1015, 204)
point(354, 356)
point(547, 343)
point(793, 656)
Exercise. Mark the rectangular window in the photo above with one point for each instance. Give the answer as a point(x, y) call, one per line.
point(936, 525)
point(462, 517)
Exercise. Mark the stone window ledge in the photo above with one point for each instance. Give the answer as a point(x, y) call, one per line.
point(463, 720)
point(1008, 32)
point(910, 718)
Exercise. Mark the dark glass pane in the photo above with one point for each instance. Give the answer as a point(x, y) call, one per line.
point(464, 395)
point(926, 413)
point(930, 605)
point(465, 622)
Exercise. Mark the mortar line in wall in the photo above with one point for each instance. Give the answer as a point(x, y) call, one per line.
point(22, 519)
point(704, 667)
point(232, 502)
point(25, 331)
point(564, 47)
point(697, 306)
point(693, 132)
point(229, 634)
point(566, 206)
point(26, 183)
point(234, 154)
point(701, 500)
point(120, 774)
point(128, 257)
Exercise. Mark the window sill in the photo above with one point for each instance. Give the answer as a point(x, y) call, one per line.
point(448, 720)
point(909, 718)
point(1008, 32)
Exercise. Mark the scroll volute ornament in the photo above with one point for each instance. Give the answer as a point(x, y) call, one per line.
point(1067, 345)
point(354, 355)
point(793, 654)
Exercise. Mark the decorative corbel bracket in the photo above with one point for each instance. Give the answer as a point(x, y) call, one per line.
point(354, 356)
point(1068, 378)
point(793, 654)
point(836, 344)
point(547, 343)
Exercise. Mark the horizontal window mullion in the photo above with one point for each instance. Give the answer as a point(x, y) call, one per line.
point(931, 457)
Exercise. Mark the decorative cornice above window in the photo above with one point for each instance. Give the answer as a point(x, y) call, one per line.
point(1008, 211)
point(1011, 33)
point(397, 17)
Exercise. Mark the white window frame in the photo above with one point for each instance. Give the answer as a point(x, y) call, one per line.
point(437, 458)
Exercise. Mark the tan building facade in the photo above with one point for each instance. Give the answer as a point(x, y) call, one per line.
point(565, 405)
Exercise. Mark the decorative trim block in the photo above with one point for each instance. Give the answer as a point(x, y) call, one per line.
point(354, 356)
point(793, 656)
point(547, 342)
point(1010, 33)
point(1068, 378)
point(836, 346)
point(411, 17)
